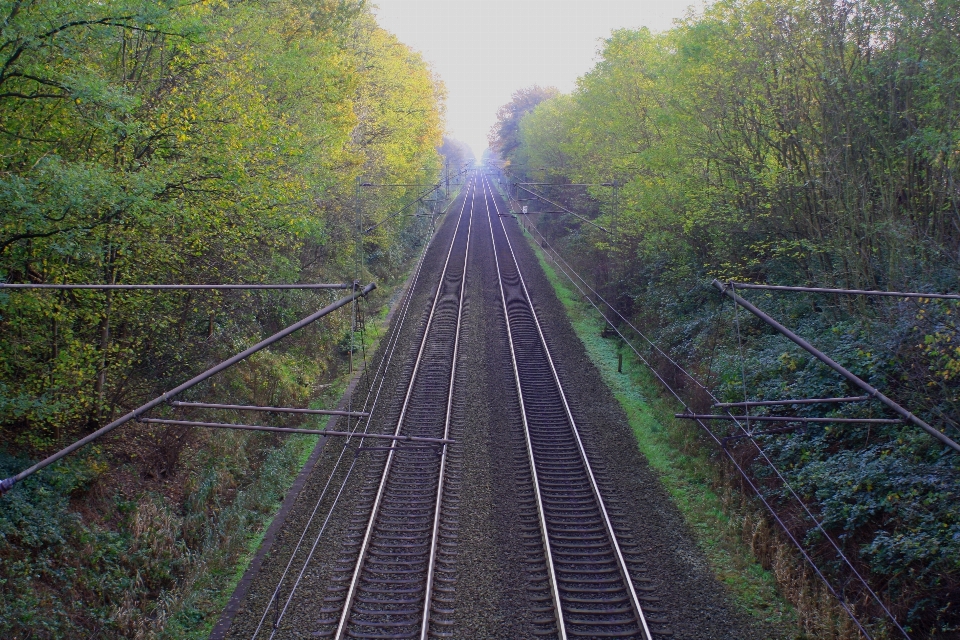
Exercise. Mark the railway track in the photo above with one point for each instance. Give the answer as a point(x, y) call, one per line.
point(560, 517)
point(394, 577)
point(585, 588)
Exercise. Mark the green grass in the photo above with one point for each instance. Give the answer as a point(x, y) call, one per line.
point(685, 471)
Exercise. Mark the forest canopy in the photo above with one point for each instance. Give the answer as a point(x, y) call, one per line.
point(180, 142)
point(175, 142)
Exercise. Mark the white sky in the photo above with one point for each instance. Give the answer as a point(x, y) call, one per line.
point(484, 50)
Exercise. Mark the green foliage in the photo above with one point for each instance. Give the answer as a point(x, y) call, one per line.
point(795, 142)
point(196, 142)
point(179, 142)
point(42, 545)
point(504, 136)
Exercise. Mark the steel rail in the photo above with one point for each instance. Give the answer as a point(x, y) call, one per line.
point(247, 407)
point(728, 291)
point(179, 287)
point(7, 483)
point(849, 292)
point(435, 534)
point(548, 554)
point(312, 432)
point(368, 534)
point(634, 600)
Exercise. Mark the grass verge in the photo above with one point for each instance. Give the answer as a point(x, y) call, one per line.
point(685, 471)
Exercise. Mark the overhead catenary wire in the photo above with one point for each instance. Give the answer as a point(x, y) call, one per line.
point(419, 198)
point(398, 212)
point(247, 407)
point(312, 432)
point(8, 483)
point(730, 457)
point(559, 206)
point(851, 292)
point(179, 287)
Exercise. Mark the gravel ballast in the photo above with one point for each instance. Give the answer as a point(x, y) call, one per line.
point(492, 587)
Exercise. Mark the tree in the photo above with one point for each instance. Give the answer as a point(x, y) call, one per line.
point(504, 135)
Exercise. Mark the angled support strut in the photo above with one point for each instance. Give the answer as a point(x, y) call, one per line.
point(7, 483)
point(728, 291)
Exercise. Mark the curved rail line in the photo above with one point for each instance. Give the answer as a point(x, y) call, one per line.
point(590, 585)
point(402, 552)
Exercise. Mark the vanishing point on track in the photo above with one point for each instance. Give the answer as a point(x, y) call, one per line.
point(524, 509)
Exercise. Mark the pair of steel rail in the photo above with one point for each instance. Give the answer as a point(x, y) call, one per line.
point(590, 581)
point(385, 596)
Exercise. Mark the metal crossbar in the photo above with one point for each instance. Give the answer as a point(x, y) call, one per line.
point(711, 416)
point(246, 407)
point(312, 432)
point(850, 292)
point(772, 403)
point(177, 287)
point(728, 290)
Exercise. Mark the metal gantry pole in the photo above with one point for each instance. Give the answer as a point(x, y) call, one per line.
point(356, 275)
point(616, 205)
point(7, 484)
point(849, 292)
point(827, 360)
